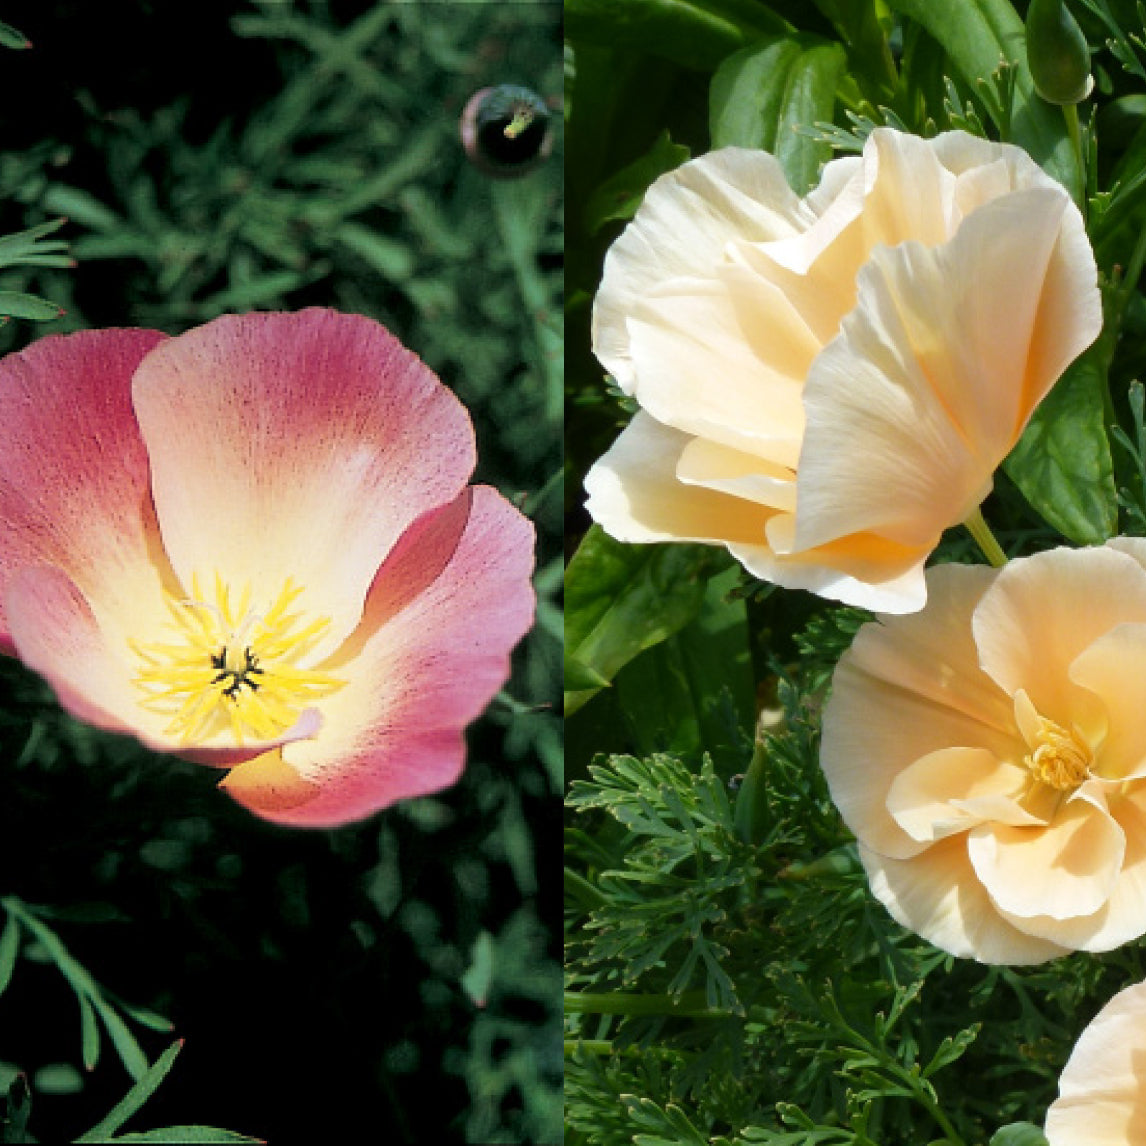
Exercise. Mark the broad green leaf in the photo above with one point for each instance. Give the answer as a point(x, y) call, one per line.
point(143, 1089)
point(977, 35)
point(173, 1134)
point(19, 305)
point(1019, 1134)
point(9, 949)
point(621, 194)
point(695, 33)
point(695, 691)
point(1062, 463)
point(621, 599)
point(763, 95)
point(13, 38)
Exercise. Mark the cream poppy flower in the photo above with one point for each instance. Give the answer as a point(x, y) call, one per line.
point(828, 383)
point(254, 546)
point(989, 753)
point(1102, 1090)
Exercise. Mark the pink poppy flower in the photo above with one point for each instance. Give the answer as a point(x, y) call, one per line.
point(253, 546)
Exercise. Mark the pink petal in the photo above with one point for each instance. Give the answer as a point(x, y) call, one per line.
point(298, 445)
point(441, 618)
point(58, 635)
point(73, 469)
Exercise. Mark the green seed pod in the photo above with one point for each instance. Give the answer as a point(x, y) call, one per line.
point(1057, 53)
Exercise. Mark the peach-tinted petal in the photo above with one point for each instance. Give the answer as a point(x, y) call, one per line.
point(927, 387)
point(687, 217)
point(936, 895)
point(445, 609)
point(1042, 612)
point(1102, 1089)
point(1122, 917)
point(58, 635)
point(73, 469)
point(909, 686)
point(954, 789)
point(688, 335)
point(716, 467)
point(297, 445)
point(635, 494)
point(1066, 869)
point(1112, 668)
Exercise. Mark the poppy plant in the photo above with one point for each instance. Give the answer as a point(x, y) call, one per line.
point(253, 545)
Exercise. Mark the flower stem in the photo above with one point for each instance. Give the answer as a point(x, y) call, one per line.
point(1070, 113)
point(985, 539)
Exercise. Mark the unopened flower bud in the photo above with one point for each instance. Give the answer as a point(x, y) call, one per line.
point(505, 130)
point(1057, 53)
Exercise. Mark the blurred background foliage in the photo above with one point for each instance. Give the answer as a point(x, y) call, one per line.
point(235, 156)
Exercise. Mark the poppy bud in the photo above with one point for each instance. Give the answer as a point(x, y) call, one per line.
point(1057, 53)
point(505, 130)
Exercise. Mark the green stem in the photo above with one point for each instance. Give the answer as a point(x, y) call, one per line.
point(1070, 113)
point(691, 1004)
point(985, 539)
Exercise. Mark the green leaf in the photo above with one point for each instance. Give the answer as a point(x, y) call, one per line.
point(622, 599)
point(1062, 463)
point(620, 195)
point(977, 34)
point(1019, 1134)
point(178, 1134)
point(13, 38)
point(89, 1033)
point(763, 95)
point(479, 975)
point(19, 305)
point(9, 949)
point(143, 1089)
point(18, 1107)
point(695, 33)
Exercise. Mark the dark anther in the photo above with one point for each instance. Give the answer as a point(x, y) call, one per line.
point(237, 677)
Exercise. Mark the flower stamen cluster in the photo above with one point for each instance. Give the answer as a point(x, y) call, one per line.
point(231, 670)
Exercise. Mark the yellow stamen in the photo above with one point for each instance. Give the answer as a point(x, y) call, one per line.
point(231, 671)
point(1060, 759)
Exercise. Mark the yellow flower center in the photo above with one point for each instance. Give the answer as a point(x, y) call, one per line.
point(230, 669)
point(1060, 759)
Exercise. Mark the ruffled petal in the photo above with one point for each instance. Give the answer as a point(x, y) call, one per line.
point(910, 686)
point(954, 789)
point(635, 494)
point(936, 895)
point(1122, 917)
point(1102, 1098)
point(443, 613)
point(73, 470)
point(933, 376)
point(1066, 869)
point(297, 445)
point(1042, 612)
point(1111, 667)
point(687, 217)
